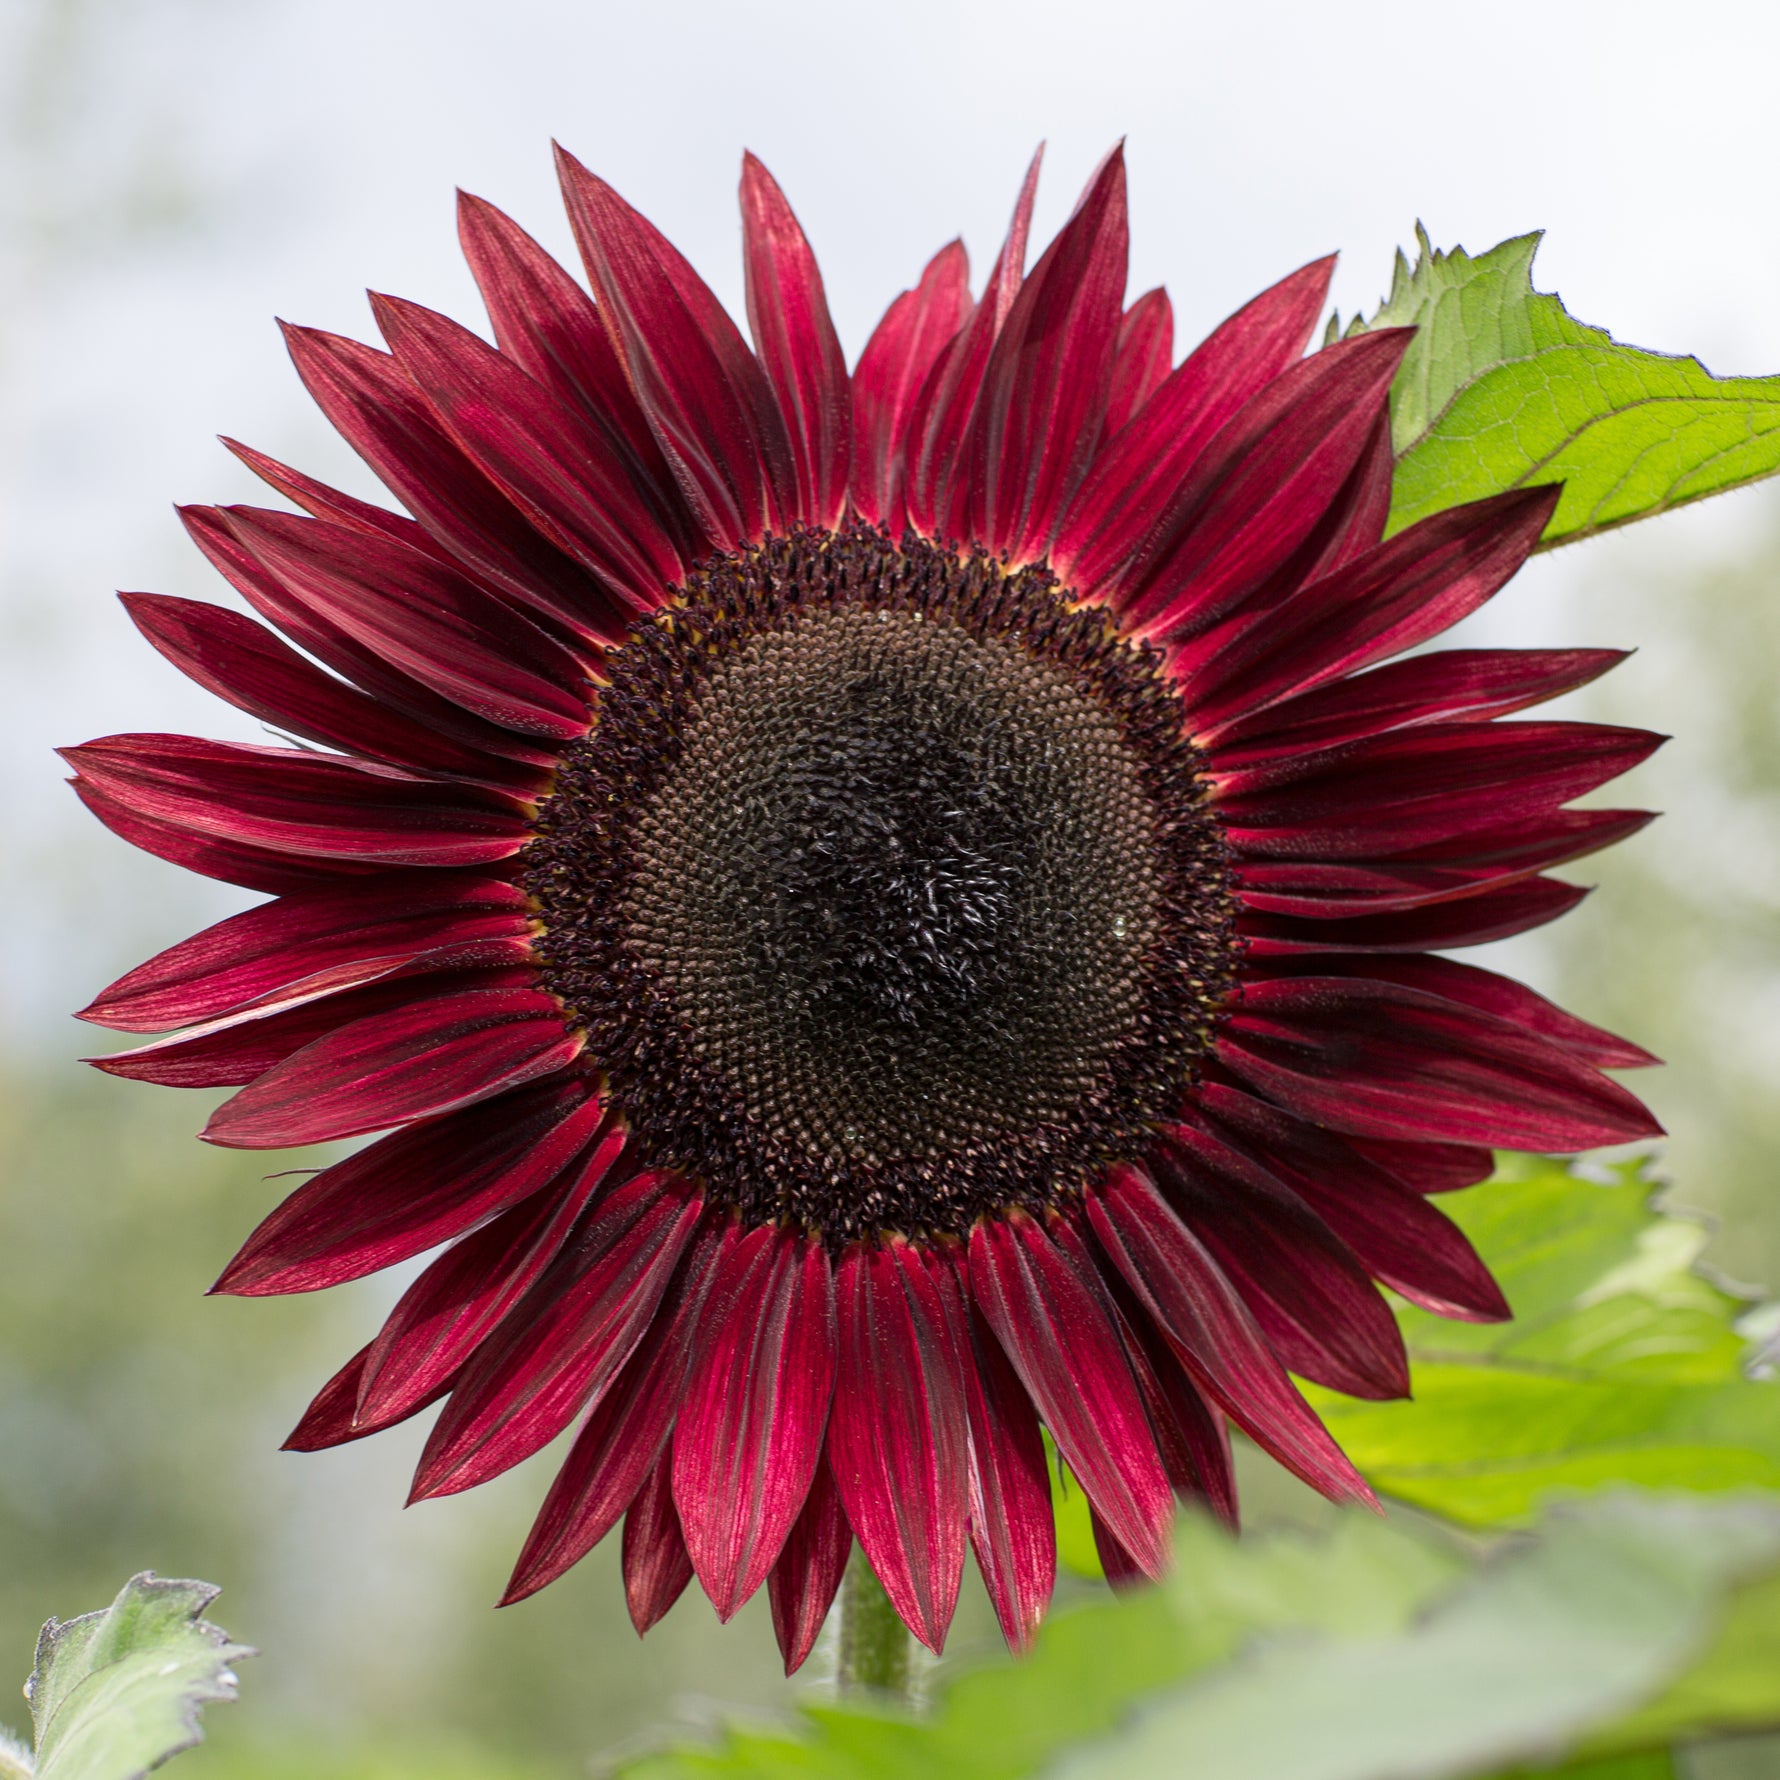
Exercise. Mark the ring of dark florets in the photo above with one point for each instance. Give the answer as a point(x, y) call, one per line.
point(885, 887)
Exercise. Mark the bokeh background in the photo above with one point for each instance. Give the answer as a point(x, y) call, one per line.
point(175, 172)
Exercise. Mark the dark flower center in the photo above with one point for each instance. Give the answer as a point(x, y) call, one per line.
point(885, 887)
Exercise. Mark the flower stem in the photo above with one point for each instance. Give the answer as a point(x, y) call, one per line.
point(874, 1641)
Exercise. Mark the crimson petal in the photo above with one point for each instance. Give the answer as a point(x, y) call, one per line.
point(898, 1435)
point(948, 395)
point(1013, 1530)
point(209, 529)
point(1145, 353)
point(1419, 788)
point(1400, 1239)
point(1491, 994)
point(387, 421)
point(242, 1046)
point(704, 392)
point(565, 476)
point(444, 1318)
point(1423, 689)
point(234, 862)
point(1213, 1332)
point(756, 1408)
point(548, 326)
point(797, 344)
point(1400, 593)
point(808, 1575)
point(1054, 1321)
point(1042, 403)
point(656, 1565)
point(281, 949)
point(1381, 1060)
point(1139, 472)
point(1314, 1301)
point(903, 348)
point(332, 1419)
point(429, 1057)
point(229, 654)
point(414, 1189)
point(624, 1433)
point(1260, 489)
point(430, 621)
point(564, 1343)
point(285, 800)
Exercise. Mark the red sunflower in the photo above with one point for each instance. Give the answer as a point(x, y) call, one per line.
point(878, 913)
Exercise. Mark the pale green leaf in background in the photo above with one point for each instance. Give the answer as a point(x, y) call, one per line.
point(115, 1693)
point(1545, 1642)
point(1502, 388)
point(1622, 1364)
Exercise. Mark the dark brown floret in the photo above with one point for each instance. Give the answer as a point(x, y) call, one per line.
point(884, 887)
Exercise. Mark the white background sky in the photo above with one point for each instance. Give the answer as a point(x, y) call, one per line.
point(178, 171)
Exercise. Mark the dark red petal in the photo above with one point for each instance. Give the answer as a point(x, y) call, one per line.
point(331, 1419)
point(322, 502)
point(898, 1435)
point(573, 486)
point(1423, 689)
point(1315, 1303)
point(1360, 513)
point(242, 1046)
point(797, 344)
point(234, 862)
point(1055, 1323)
point(1396, 595)
point(562, 1345)
point(1145, 354)
point(1460, 918)
point(755, 1411)
point(229, 654)
point(312, 942)
point(288, 801)
point(1427, 1167)
point(1259, 490)
point(390, 425)
point(808, 1575)
point(548, 326)
point(949, 392)
point(1380, 1060)
point(1550, 839)
point(427, 619)
point(623, 1435)
point(414, 1189)
point(1139, 473)
point(330, 645)
point(704, 392)
point(410, 1063)
point(1012, 1528)
point(445, 1317)
point(1213, 1332)
point(1491, 994)
point(1399, 1238)
point(1121, 1569)
point(1039, 413)
point(903, 348)
point(656, 1566)
point(1192, 1435)
point(1425, 787)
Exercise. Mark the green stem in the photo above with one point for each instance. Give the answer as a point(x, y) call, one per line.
point(874, 1641)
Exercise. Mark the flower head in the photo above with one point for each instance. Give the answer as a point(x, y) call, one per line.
point(877, 913)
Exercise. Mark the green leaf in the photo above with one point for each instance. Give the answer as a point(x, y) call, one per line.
point(1622, 1364)
point(1548, 1640)
point(115, 1693)
point(1502, 388)
point(1381, 1651)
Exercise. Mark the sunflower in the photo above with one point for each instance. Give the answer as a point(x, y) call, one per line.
point(878, 914)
